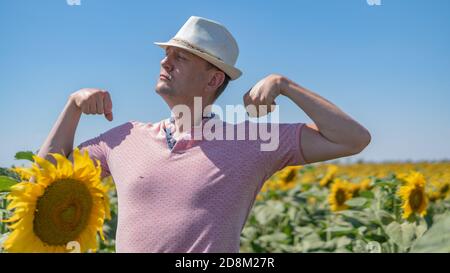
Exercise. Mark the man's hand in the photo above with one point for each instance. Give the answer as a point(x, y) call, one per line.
point(263, 94)
point(92, 101)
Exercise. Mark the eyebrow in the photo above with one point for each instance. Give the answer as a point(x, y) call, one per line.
point(178, 51)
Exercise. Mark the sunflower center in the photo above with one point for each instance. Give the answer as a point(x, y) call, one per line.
point(415, 199)
point(71, 214)
point(290, 177)
point(340, 197)
point(444, 189)
point(62, 212)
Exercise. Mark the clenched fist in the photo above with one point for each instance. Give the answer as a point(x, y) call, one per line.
point(92, 101)
point(260, 99)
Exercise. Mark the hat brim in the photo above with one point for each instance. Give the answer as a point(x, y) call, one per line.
point(231, 71)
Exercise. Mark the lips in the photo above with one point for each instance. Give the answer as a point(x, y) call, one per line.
point(164, 77)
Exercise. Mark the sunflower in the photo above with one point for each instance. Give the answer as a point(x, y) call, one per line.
point(67, 204)
point(340, 192)
point(440, 189)
point(413, 195)
point(288, 177)
point(328, 177)
point(364, 185)
point(402, 176)
point(289, 174)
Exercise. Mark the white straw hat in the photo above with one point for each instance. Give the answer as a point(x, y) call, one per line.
point(209, 40)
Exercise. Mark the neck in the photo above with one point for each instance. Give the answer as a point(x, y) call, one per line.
point(189, 115)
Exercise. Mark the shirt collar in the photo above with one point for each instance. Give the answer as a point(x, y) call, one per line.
point(205, 116)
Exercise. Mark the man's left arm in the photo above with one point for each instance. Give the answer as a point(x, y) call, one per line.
point(332, 134)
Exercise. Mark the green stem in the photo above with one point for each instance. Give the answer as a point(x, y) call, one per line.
point(3, 215)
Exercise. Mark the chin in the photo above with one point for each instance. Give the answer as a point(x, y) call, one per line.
point(163, 89)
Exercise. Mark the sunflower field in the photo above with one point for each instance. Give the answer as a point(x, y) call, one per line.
point(390, 207)
point(327, 207)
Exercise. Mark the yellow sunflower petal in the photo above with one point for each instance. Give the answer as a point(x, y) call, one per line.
point(44, 164)
point(24, 173)
point(64, 166)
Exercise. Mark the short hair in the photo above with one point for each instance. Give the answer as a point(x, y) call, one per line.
point(225, 82)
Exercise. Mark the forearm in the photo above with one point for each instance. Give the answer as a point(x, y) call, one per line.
point(332, 123)
point(61, 137)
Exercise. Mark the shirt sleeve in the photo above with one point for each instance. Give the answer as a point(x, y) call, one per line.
point(98, 150)
point(101, 147)
point(288, 152)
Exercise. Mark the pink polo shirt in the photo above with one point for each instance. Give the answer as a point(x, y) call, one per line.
point(193, 198)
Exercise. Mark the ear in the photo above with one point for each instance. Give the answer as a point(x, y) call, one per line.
point(216, 78)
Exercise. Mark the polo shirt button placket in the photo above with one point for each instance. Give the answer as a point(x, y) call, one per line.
point(185, 141)
point(169, 137)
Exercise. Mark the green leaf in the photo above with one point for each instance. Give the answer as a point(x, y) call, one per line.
point(384, 217)
point(6, 183)
point(342, 241)
point(356, 218)
point(292, 212)
point(311, 242)
point(309, 193)
point(268, 212)
point(367, 194)
point(356, 202)
point(421, 228)
point(385, 182)
point(249, 232)
point(401, 234)
point(272, 238)
point(304, 231)
point(25, 155)
point(341, 231)
point(436, 239)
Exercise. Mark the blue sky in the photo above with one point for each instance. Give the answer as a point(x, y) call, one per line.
point(387, 66)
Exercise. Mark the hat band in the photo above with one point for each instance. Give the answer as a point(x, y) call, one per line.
point(191, 46)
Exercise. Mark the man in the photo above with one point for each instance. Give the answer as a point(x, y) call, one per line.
point(180, 194)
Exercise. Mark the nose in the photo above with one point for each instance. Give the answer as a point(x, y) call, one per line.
point(166, 63)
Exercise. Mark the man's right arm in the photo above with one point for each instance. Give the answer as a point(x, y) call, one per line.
point(88, 101)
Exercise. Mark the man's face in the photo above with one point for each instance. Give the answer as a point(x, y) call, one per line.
point(183, 75)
